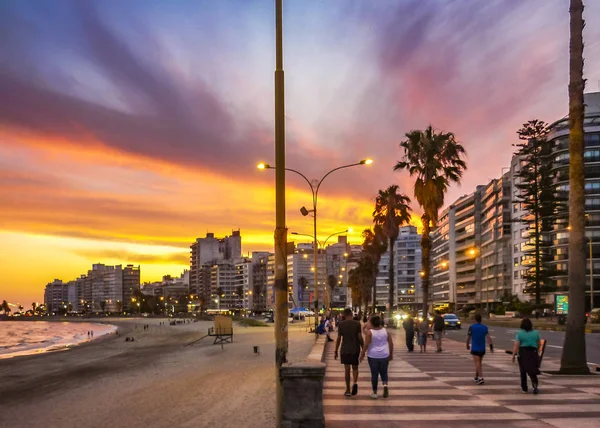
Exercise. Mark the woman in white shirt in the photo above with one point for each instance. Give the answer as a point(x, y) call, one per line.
point(379, 349)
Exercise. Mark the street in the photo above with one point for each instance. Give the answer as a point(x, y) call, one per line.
point(504, 337)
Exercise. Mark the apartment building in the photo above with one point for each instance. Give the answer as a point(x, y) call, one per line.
point(208, 251)
point(407, 278)
point(466, 250)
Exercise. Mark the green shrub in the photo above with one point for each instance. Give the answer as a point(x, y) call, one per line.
point(500, 310)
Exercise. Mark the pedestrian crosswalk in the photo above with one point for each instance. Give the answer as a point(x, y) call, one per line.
point(438, 388)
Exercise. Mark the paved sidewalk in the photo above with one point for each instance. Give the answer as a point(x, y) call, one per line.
point(438, 390)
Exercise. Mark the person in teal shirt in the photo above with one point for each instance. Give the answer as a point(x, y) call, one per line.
point(526, 348)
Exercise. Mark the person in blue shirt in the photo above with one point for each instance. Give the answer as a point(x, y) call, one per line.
point(476, 340)
point(527, 344)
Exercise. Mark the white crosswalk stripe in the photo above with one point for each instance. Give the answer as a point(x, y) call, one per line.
point(443, 384)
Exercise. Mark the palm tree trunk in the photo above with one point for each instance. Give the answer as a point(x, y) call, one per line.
point(374, 305)
point(391, 269)
point(574, 359)
point(425, 254)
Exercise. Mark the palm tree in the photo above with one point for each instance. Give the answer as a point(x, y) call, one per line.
point(436, 160)
point(574, 360)
point(374, 245)
point(391, 211)
point(33, 307)
point(5, 307)
point(20, 308)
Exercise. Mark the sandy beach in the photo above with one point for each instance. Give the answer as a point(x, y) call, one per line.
point(166, 378)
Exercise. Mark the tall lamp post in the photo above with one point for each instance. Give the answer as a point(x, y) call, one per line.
point(280, 238)
point(315, 185)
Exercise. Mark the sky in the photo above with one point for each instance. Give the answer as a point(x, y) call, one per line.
point(128, 129)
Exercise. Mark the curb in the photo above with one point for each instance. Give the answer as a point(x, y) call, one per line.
point(317, 354)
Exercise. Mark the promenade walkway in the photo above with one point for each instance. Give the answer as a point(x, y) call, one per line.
point(438, 390)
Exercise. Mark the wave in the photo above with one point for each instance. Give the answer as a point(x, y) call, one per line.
point(26, 338)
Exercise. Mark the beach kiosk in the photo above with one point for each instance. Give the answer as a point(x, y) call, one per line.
point(222, 331)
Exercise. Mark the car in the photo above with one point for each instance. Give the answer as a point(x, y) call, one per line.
point(451, 321)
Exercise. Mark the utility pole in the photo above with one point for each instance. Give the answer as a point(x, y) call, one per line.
point(281, 296)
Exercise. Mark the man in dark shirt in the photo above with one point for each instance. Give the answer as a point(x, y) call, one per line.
point(438, 330)
point(349, 335)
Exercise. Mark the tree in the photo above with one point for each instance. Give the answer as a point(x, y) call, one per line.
point(539, 198)
point(20, 308)
point(374, 245)
point(436, 160)
point(391, 211)
point(103, 305)
point(574, 359)
point(119, 306)
point(34, 307)
point(332, 282)
point(360, 281)
point(5, 307)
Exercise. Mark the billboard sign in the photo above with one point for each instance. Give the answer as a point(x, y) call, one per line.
point(561, 304)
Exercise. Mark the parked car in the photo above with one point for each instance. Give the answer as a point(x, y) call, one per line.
point(451, 321)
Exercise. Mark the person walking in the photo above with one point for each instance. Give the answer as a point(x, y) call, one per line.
point(476, 340)
point(527, 344)
point(380, 350)
point(422, 335)
point(351, 339)
point(438, 330)
point(409, 329)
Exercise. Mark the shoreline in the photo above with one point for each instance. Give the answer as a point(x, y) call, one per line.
point(47, 347)
point(166, 377)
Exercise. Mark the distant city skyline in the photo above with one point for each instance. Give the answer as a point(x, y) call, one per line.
point(135, 127)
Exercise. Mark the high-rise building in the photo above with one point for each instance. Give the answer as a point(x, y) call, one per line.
point(407, 278)
point(442, 284)
point(495, 247)
point(301, 277)
point(408, 267)
point(258, 301)
point(205, 253)
point(56, 296)
point(479, 247)
point(131, 284)
point(336, 271)
point(559, 138)
point(107, 287)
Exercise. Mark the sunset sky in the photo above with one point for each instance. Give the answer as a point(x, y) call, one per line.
point(129, 128)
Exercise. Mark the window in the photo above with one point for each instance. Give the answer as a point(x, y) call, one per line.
point(516, 261)
point(516, 274)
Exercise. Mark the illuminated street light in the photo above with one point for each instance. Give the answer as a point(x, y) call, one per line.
point(314, 187)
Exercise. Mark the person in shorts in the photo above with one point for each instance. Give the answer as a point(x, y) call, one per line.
point(350, 337)
point(476, 340)
point(438, 330)
point(422, 334)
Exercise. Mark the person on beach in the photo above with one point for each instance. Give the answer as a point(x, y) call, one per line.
point(525, 349)
point(422, 335)
point(352, 342)
point(438, 330)
point(380, 350)
point(476, 339)
point(409, 329)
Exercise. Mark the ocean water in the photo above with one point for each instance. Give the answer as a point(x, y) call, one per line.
point(19, 338)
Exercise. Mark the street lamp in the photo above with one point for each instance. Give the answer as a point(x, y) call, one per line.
point(315, 185)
